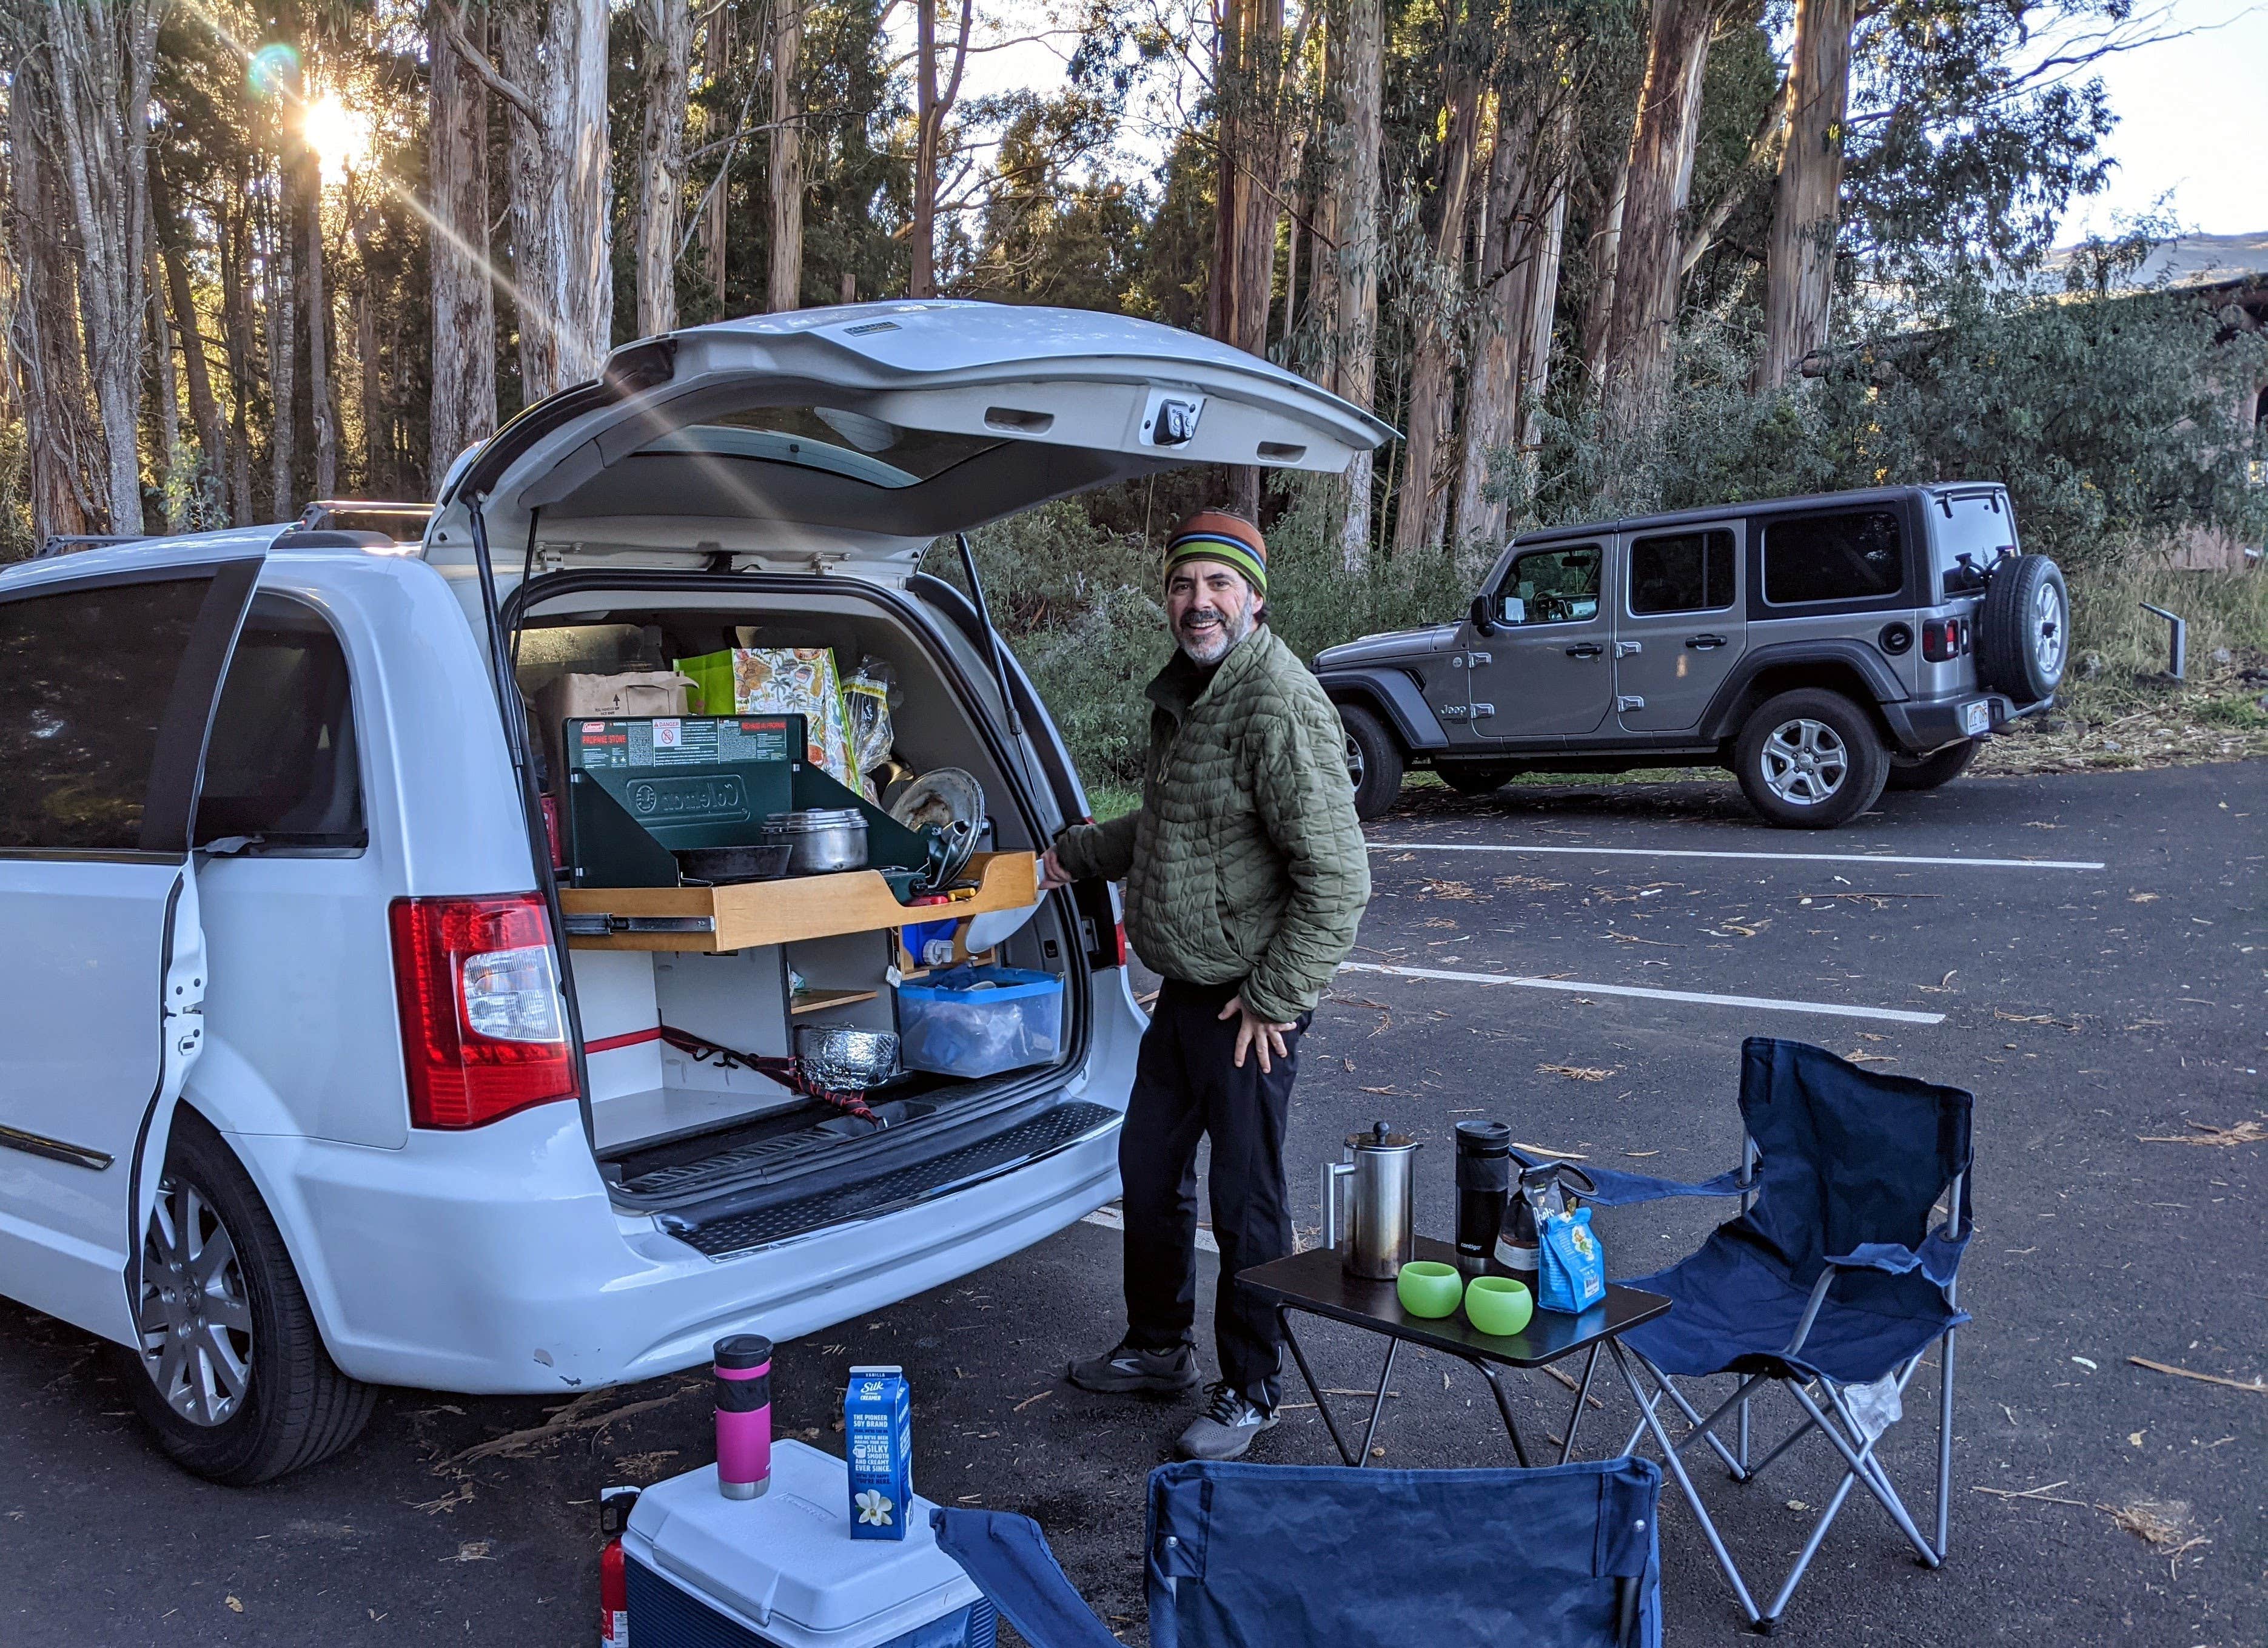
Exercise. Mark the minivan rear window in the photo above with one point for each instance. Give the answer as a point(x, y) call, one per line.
point(1851, 555)
point(281, 765)
point(86, 676)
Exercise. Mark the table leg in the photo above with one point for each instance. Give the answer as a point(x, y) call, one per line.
point(1378, 1404)
point(1582, 1395)
point(1504, 1408)
point(1283, 1326)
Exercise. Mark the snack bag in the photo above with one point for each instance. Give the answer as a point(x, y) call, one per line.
point(782, 681)
point(1571, 1271)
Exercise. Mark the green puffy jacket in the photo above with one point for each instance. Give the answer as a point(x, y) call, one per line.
point(1245, 860)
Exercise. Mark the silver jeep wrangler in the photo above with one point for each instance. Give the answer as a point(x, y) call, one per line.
point(1820, 647)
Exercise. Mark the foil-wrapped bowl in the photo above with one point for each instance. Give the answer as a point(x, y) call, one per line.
point(843, 1059)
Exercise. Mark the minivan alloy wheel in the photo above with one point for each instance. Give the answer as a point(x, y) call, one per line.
point(1804, 762)
point(193, 1316)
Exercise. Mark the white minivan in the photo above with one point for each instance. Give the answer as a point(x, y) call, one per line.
point(307, 1086)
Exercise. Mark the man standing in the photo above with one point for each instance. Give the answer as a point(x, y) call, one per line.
point(1246, 875)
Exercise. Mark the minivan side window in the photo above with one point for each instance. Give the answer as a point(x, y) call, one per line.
point(84, 678)
point(1849, 556)
point(1682, 572)
point(1555, 586)
point(282, 763)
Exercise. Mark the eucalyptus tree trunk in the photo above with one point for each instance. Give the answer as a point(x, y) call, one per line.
point(323, 402)
point(1350, 299)
point(1605, 256)
point(165, 394)
point(282, 313)
point(1421, 512)
point(716, 66)
point(665, 63)
point(204, 409)
point(1509, 356)
point(62, 447)
point(377, 413)
point(787, 152)
point(104, 55)
point(931, 104)
point(1641, 326)
point(463, 405)
point(236, 313)
point(1799, 267)
point(555, 81)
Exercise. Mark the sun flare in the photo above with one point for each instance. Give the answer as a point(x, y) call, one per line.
point(339, 135)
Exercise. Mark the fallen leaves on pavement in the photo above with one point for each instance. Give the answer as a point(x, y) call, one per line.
point(1577, 1072)
point(2206, 1132)
point(2257, 1388)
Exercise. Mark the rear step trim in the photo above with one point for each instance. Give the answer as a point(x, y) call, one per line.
point(1055, 1130)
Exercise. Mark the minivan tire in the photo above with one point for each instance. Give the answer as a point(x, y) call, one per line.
point(297, 1407)
point(2023, 632)
point(1810, 760)
point(1927, 772)
point(1373, 761)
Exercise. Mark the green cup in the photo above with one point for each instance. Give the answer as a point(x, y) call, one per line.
point(1427, 1287)
point(1499, 1306)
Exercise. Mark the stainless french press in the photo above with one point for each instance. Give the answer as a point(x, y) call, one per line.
point(1368, 1199)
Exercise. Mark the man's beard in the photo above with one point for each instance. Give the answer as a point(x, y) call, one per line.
point(1212, 644)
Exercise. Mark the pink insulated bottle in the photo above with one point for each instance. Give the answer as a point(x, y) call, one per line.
point(744, 1416)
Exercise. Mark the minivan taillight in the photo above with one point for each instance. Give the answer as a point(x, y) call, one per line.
point(483, 1028)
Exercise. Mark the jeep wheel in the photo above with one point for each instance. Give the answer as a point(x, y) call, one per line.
point(1373, 761)
point(2024, 633)
point(231, 1372)
point(1810, 760)
point(1927, 772)
point(1472, 781)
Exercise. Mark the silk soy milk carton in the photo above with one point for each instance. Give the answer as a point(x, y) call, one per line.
point(878, 1437)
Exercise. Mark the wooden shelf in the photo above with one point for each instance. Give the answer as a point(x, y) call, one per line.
point(812, 1001)
point(756, 913)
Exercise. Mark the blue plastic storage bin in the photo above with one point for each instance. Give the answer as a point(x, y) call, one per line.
point(980, 1021)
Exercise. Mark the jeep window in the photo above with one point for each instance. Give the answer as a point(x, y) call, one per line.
point(1555, 586)
point(1682, 572)
point(1979, 525)
point(1852, 555)
point(280, 767)
point(85, 677)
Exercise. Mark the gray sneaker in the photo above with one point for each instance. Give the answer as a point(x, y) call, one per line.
point(1127, 1370)
point(1227, 1427)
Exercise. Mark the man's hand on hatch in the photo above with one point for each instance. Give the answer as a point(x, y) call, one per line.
point(1052, 874)
point(1260, 1034)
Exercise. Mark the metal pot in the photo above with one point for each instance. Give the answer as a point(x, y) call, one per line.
point(843, 1059)
point(1368, 1203)
point(819, 840)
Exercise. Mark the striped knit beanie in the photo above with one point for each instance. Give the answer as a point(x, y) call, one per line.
point(1214, 535)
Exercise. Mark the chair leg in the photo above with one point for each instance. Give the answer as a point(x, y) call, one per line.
point(1701, 1427)
point(1859, 1461)
point(1810, 1549)
point(1651, 1421)
point(1944, 1443)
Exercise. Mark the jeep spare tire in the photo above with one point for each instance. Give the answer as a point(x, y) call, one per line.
point(2023, 634)
point(1373, 761)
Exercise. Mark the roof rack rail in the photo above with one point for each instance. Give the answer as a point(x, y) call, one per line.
point(65, 542)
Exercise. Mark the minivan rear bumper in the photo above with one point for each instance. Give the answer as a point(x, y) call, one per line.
point(1919, 726)
point(505, 1270)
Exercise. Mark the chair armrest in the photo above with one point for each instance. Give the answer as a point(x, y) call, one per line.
point(1008, 1557)
point(1891, 1257)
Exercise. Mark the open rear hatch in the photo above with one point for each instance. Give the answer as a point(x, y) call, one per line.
point(678, 509)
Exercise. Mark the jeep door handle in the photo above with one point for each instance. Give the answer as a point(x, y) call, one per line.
point(1588, 649)
point(1705, 643)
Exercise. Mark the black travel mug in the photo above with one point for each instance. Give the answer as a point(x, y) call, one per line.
point(1483, 1185)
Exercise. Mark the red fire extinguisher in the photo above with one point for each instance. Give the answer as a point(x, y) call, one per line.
point(613, 1583)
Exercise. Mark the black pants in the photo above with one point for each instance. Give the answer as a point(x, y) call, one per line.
point(1187, 1086)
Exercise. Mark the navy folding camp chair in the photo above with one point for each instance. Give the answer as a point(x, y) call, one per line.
point(1336, 1556)
point(1831, 1282)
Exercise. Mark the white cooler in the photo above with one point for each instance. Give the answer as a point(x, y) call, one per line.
point(783, 1572)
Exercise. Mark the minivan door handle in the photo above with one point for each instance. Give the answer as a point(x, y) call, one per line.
point(1704, 643)
point(1588, 649)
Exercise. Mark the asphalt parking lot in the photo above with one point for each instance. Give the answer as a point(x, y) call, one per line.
point(2088, 954)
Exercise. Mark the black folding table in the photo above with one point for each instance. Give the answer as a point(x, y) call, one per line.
point(1316, 1283)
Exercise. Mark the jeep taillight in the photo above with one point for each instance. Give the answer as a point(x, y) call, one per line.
point(1944, 640)
point(483, 1028)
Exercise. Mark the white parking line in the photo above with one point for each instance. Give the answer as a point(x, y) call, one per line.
point(1770, 1004)
point(1110, 1218)
point(1800, 858)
